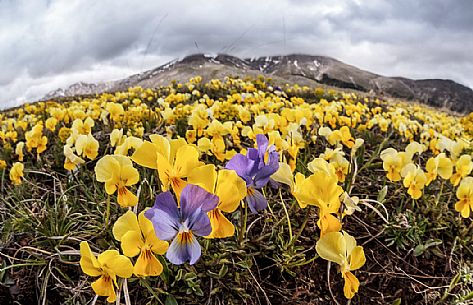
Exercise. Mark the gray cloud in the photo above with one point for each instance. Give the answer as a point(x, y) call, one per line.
point(50, 44)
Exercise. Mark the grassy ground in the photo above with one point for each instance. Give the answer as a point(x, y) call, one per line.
point(417, 251)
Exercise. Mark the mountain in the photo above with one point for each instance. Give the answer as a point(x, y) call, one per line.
point(297, 68)
point(80, 88)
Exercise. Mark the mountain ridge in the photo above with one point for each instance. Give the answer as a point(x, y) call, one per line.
point(303, 69)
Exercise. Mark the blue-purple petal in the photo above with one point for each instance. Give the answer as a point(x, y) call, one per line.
point(199, 223)
point(262, 143)
point(165, 226)
point(164, 216)
point(241, 165)
point(256, 201)
point(253, 155)
point(265, 172)
point(166, 203)
point(181, 251)
point(194, 197)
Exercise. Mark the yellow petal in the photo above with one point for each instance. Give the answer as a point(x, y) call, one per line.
point(178, 185)
point(162, 144)
point(164, 171)
point(357, 258)
point(187, 158)
point(431, 165)
point(123, 161)
point(321, 165)
point(230, 189)
point(104, 287)
point(126, 222)
point(445, 168)
point(463, 207)
point(331, 247)
point(351, 285)
point(147, 265)
point(204, 176)
point(175, 145)
point(110, 186)
point(116, 137)
point(126, 198)
point(105, 168)
point(284, 175)
point(221, 226)
point(350, 243)
point(146, 155)
point(88, 261)
point(157, 245)
point(132, 242)
point(129, 175)
point(115, 264)
point(329, 223)
point(145, 225)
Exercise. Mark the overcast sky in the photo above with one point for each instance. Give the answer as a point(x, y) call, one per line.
point(45, 45)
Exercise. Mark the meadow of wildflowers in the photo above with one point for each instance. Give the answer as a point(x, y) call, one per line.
point(233, 192)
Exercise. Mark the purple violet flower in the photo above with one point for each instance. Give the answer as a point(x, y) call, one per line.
point(181, 224)
point(256, 168)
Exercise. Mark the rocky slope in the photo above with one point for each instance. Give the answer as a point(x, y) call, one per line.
point(301, 69)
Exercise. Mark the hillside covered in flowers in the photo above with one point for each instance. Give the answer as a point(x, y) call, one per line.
point(235, 192)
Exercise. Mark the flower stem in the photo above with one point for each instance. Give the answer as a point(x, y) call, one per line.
point(304, 223)
point(287, 216)
point(439, 193)
point(243, 221)
point(107, 212)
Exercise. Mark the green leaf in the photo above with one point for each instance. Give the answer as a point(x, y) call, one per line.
point(397, 301)
point(223, 271)
point(170, 300)
point(382, 194)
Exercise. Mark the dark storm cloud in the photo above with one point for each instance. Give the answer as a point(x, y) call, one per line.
point(50, 44)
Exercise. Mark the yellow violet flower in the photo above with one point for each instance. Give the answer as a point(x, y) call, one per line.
point(173, 159)
point(204, 145)
point(351, 203)
point(464, 194)
point(322, 191)
point(441, 165)
point(116, 137)
point(16, 173)
point(51, 124)
point(414, 180)
point(321, 165)
point(87, 146)
point(83, 127)
point(117, 172)
point(415, 148)
point(392, 164)
point(35, 139)
point(137, 236)
point(128, 143)
point(19, 150)
point(108, 265)
point(229, 188)
point(463, 167)
point(358, 144)
point(3, 164)
point(341, 249)
point(71, 160)
point(341, 166)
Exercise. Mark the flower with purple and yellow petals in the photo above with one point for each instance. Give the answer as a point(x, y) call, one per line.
point(181, 225)
point(256, 168)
